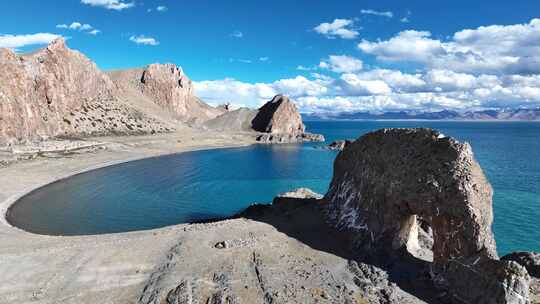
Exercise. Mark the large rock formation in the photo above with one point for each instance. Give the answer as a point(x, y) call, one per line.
point(280, 122)
point(169, 87)
point(278, 116)
point(386, 179)
point(277, 121)
point(58, 91)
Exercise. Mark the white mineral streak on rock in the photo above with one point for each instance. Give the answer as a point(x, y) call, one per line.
point(387, 178)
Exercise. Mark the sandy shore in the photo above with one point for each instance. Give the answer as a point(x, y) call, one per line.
point(278, 254)
point(285, 256)
point(47, 269)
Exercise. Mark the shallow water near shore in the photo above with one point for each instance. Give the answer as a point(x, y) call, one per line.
point(201, 185)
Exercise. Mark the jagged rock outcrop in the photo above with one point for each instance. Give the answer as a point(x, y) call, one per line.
point(167, 86)
point(58, 91)
point(529, 260)
point(277, 122)
point(281, 122)
point(387, 178)
point(278, 116)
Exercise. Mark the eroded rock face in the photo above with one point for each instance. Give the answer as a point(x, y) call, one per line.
point(529, 260)
point(169, 87)
point(280, 122)
point(387, 178)
point(278, 116)
point(58, 91)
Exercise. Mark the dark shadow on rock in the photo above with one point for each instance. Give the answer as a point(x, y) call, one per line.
point(304, 220)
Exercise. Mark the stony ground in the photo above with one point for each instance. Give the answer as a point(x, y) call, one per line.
point(269, 255)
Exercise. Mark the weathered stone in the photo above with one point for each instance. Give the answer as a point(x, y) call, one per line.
point(338, 145)
point(169, 87)
point(529, 260)
point(58, 91)
point(278, 116)
point(182, 294)
point(383, 180)
point(300, 193)
point(269, 138)
point(281, 123)
point(289, 200)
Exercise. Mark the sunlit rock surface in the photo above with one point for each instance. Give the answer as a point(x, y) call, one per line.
point(386, 179)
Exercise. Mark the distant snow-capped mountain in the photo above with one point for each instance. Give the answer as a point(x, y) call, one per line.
point(512, 114)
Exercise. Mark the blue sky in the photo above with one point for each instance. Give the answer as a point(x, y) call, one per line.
point(328, 55)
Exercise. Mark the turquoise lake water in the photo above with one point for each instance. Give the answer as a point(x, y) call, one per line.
point(201, 185)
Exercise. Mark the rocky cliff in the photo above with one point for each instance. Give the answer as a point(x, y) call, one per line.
point(278, 116)
point(280, 122)
point(277, 121)
point(57, 91)
point(390, 182)
point(168, 87)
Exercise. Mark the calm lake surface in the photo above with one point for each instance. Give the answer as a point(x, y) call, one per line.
point(201, 185)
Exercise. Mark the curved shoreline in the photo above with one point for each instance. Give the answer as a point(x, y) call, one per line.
point(9, 202)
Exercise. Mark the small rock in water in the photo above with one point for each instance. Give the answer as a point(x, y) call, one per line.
point(338, 145)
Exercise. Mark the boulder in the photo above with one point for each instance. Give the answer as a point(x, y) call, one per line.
point(304, 195)
point(58, 91)
point(529, 260)
point(338, 145)
point(280, 122)
point(384, 180)
point(278, 116)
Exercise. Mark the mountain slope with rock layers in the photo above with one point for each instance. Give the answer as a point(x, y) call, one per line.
point(168, 87)
point(56, 91)
point(59, 92)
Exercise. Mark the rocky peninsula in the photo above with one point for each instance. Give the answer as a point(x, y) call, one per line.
point(407, 217)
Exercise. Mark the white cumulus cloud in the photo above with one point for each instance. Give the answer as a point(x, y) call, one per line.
point(500, 49)
point(383, 90)
point(141, 39)
point(17, 41)
point(78, 26)
point(237, 34)
point(342, 28)
point(117, 5)
point(484, 68)
point(341, 64)
point(407, 45)
point(75, 26)
point(377, 13)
